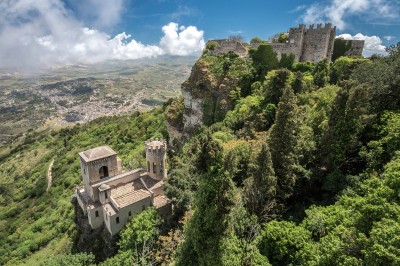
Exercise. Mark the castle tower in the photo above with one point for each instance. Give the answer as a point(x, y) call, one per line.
point(156, 158)
point(96, 164)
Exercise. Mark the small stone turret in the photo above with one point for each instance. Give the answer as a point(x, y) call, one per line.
point(156, 158)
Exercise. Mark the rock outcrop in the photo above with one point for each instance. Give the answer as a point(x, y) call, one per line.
point(99, 241)
point(206, 97)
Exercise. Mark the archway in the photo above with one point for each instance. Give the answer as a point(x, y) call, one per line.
point(103, 171)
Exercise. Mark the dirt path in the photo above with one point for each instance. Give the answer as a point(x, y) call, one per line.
point(49, 177)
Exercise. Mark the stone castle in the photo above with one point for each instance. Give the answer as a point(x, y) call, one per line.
point(110, 197)
point(313, 44)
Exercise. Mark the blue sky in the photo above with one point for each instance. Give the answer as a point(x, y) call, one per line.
point(48, 32)
point(221, 18)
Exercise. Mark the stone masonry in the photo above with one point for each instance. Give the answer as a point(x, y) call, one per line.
point(306, 44)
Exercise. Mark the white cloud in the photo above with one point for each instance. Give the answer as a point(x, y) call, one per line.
point(99, 13)
point(42, 33)
point(337, 11)
point(389, 37)
point(373, 44)
point(181, 40)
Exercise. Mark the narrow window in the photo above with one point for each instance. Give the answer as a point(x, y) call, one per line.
point(154, 168)
point(130, 213)
point(106, 195)
point(117, 220)
point(143, 207)
point(97, 213)
point(148, 166)
point(103, 171)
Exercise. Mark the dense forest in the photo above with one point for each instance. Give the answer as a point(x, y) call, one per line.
point(303, 170)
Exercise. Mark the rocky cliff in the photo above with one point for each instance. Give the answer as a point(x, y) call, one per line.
point(206, 92)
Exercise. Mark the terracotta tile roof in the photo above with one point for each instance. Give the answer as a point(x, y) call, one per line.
point(131, 197)
point(161, 201)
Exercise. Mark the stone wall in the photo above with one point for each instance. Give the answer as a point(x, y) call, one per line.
point(227, 45)
point(318, 43)
point(356, 48)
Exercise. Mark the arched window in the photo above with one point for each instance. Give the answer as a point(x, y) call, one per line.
point(129, 213)
point(103, 171)
point(154, 168)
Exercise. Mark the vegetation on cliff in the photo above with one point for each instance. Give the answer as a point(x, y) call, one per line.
point(301, 168)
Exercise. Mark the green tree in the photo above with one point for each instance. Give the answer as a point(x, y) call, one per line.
point(260, 188)
point(283, 242)
point(213, 202)
point(287, 61)
point(264, 59)
point(275, 82)
point(321, 73)
point(141, 232)
point(256, 40)
point(283, 143)
point(211, 45)
point(283, 37)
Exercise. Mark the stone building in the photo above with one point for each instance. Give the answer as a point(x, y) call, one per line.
point(227, 45)
point(306, 44)
point(110, 197)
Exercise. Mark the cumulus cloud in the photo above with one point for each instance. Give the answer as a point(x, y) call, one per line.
point(181, 40)
point(373, 44)
point(36, 34)
point(337, 11)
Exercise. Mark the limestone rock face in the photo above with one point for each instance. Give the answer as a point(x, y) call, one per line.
point(206, 97)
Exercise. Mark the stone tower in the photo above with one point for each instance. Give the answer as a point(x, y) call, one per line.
point(96, 164)
point(156, 158)
point(318, 43)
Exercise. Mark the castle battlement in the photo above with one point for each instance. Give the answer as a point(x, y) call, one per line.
point(154, 147)
point(313, 44)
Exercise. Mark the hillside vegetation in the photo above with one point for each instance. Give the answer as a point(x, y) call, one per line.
point(304, 169)
point(35, 224)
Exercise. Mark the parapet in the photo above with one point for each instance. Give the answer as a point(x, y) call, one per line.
point(302, 26)
point(155, 147)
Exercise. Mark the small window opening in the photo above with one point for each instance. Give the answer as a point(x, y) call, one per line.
point(154, 168)
point(97, 213)
point(103, 171)
point(117, 220)
point(106, 195)
point(148, 166)
point(130, 213)
point(143, 207)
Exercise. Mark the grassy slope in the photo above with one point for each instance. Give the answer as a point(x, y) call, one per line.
point(34, 223)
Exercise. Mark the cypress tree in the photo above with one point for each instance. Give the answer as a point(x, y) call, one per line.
point(261, 187)
point(212, 204)
point(283, 142)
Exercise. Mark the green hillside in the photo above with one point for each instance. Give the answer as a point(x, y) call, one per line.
point(35, 224)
